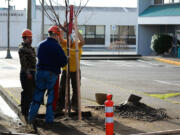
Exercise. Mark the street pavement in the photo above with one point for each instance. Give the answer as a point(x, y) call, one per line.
point(11, 87)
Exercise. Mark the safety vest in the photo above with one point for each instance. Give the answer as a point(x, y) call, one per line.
point(72, 54)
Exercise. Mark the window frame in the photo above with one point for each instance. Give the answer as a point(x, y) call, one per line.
point(97, 39)
point(162, 2)
point(127, 39)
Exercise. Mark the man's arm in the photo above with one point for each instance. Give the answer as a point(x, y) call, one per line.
point(81, 39)
point(62, 59)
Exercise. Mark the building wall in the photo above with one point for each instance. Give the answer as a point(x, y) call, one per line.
point(143, 4)
point(147, 26)
point(36, 30)
point(17, 24)
point(89, 16)
point(145, 33)
point(98, 16)
point(162, 20)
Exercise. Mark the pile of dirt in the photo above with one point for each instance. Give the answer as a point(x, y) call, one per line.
point(141, 112)
point(138, 111)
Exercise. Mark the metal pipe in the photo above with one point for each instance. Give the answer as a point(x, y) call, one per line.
point(29, 17)
point(42, 25)
point(8, 56)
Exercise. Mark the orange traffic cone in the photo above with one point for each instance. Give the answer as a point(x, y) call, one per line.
point(109, 115)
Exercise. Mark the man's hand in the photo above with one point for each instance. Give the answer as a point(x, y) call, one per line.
point(82, 42)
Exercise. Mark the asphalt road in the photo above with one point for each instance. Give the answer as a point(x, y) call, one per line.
point(140, 77)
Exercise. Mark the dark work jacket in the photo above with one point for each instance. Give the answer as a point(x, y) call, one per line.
point(50, 55)
point(27, 57)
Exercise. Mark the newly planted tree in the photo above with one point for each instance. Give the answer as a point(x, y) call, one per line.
point(53, 10)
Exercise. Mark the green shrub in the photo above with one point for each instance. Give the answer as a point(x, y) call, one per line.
point(161, 43)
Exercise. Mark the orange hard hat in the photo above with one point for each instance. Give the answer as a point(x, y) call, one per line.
point(54, 29)
point(27, 33)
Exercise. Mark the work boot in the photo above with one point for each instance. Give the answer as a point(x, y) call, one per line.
point(26, 118)
point(33, 124)
point(74, 106)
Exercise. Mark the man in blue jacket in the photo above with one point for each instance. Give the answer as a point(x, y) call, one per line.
point(51, 58)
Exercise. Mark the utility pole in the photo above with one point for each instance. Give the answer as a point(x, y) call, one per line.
point(8, 56)
point(29, 15)
point(42, 25)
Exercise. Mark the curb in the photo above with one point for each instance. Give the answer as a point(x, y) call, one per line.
point(110, 57)
point(11, 102)
point(167, 132)
point(14, 106)
point(168, 61)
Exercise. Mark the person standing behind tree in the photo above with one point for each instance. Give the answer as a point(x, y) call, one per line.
point(27, 58)
point(51, 58)
point(72, 66)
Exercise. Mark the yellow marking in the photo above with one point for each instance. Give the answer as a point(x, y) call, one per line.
point(168, 61)
point(142, 93)
point(165, 97)
point(11, 95)
point(174, 102)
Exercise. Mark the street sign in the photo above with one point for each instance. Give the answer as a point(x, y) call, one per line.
point(114, 27)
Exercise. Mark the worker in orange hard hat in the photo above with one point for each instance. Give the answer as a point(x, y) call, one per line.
point(27, 58)
point(72, 69)
point(51, 58)
point(27, 33)
point(54, 29)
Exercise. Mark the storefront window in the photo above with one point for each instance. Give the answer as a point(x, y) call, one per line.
point(158, 1)
point(93, 34)
point(176, 1)
point(82, 29)
point(166, 1)
point(123, 35)
point(100, 33)
point(131, 35)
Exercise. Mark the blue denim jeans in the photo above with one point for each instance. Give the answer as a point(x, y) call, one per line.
point(44, 80)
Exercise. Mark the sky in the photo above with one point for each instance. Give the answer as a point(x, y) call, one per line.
point(21, 4)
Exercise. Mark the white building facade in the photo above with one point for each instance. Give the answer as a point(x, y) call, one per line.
point(17, 24)
point(157, 17)
point(100, 26)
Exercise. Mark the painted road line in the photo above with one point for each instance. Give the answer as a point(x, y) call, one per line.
point(165, 95)
point(86, 63)
point(148, 62)
point(168, 83)
point(168, 61)
point(134, 91)
point(10, 94)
